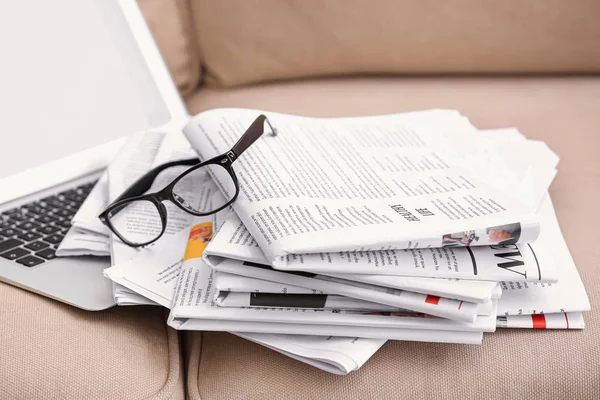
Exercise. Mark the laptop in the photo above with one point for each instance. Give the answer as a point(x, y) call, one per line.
point(77, 77)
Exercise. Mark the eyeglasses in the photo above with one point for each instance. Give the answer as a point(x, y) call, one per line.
point(140, 219)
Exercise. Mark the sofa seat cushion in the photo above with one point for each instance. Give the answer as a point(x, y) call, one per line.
point(50, 350)
point(563, 111)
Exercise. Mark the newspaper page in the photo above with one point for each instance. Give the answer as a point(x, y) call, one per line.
point(569, 320)
point(88, 236)
point(87, 216)
point(467, 290)
point(142, 152)
point(312, 301)
point(403, 181)
point(150, 150)
point(81, 242)
point(127, 297)
point(243, 291)
point(195, 293)
point(531, 160)
point(133, 160)
point(439, 306)
point(567, 295)
point(233, 241)
point(154, 274)
point(305, 301)
point(515, 262)
point(413, 335)
point(225, 282)
point(337, 355)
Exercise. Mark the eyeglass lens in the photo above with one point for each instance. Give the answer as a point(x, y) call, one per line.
point(193, 190)
point(138, 222)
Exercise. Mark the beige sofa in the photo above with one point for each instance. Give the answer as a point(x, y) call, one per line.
point(526, 64)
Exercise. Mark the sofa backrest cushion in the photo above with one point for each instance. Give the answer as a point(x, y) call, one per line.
point(172, 27)
point(247, 41)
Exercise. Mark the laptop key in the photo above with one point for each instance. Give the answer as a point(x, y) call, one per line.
point(55, 238)
point(36, 209)
point(18, 217)
point(27, 225)
point(65, 223)
point(8, 232)
point(29, 236)
point(48, 254)
point(9, 244)
point(49, 198)
point(54, 204)
point(39, 245)
point(45, 219)
point(70, 196)
point(15, 253)
point(65, 213)
point(48, 229)
point(30, 261)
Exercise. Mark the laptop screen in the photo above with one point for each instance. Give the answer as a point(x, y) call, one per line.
point(71, 78)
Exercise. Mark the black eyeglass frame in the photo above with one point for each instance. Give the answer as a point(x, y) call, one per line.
point(136, 191)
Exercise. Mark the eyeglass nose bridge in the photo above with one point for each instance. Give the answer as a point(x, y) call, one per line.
point(162, 210)
point(158, 199)
point(162, 195)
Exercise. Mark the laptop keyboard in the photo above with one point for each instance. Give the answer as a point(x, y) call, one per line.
point(30, 234)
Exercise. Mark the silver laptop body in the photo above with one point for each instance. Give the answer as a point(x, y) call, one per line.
point(77, 77)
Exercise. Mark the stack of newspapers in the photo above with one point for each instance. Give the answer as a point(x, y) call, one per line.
point(348, 232)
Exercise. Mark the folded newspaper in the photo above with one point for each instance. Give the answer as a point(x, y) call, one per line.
point(350, 232)
point(327, 189)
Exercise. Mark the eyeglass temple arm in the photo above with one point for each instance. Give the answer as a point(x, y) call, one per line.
point(250, 136)
point(145, 182)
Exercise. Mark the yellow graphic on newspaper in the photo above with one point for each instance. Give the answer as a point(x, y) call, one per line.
point(200, 235)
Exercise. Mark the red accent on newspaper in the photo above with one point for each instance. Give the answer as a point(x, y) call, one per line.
point(539, 321)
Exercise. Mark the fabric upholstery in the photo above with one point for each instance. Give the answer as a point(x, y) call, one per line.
point(246, 41)
point(510, 363)
point(173, 31)
point(53, 351)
